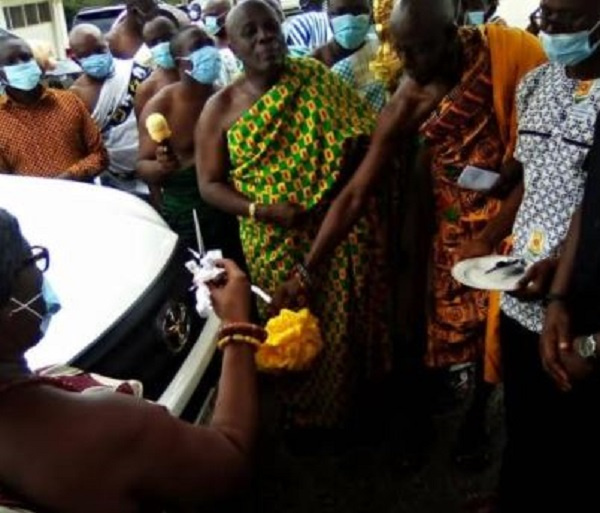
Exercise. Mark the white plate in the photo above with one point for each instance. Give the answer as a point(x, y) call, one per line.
point(473, 273)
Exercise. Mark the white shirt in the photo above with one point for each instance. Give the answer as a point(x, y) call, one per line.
point(557, 117)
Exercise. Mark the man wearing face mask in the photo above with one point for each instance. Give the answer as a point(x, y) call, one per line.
point(171, 167)
point(158, 34)
point(126, 39)
point(43, 132)
point(457, 95)
point(353, 47)
point(214, 14)
point(107, 87)
point(477, 12)
point(558, 107)
point(308, 31)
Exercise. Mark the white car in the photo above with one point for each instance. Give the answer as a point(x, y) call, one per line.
point(118, 272)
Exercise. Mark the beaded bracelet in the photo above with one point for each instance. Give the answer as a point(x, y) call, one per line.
point(242, 328)
point(238, 339)
point(303, 276)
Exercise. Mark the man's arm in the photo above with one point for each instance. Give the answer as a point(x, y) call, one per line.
point(212, 166)
point(4, 167)
point(85, 94)
point(497, 228)
point(143, 95)
point(212, 160)
point(150, 168)
point(97, 158)
point(556, 337)
point(401, 116)
point(562, 278)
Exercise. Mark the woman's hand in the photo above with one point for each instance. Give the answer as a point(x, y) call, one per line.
point(230, 293)
point(291, 295)
point(286, 215)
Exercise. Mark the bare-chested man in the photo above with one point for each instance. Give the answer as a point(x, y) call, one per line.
point(213, 15)
point(173, 169)
point(158, 34)
point(125, 38)
point(107, 87)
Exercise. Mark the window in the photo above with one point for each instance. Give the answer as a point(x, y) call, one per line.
point(44, 12)
point(29, 14)
point(15, 17)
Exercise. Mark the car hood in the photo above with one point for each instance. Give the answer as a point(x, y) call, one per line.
point(106, 249)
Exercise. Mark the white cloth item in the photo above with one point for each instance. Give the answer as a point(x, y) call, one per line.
point(114, 114)
point(557, 116)
point(143, 56)
point(230, 67)
point(203, 272)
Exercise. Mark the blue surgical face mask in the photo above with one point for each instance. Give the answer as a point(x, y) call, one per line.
point(161, 53)
point(350, 31)
point(475, 17)
point(51, 303)
point(98, 65)
point(25, 76)
point(570, 49)
point(206, 65)
point(213, 25)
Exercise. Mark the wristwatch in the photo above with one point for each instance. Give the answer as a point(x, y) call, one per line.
point(586, 346)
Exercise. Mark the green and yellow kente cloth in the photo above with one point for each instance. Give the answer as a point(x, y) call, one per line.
point(289, 147)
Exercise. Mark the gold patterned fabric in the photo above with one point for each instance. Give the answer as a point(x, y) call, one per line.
point(289, 147)
point(463, 131)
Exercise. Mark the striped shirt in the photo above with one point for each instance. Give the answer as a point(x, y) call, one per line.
point(309, 30)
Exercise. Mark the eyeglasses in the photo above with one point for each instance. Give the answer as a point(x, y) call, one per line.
point(40, 257)
point(561, 21)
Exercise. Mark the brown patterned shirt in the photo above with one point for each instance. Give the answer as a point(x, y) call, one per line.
point(52, 136)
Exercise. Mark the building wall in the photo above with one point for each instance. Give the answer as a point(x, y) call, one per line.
point(54, 31)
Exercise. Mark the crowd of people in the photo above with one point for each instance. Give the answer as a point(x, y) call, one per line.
point(338, 191)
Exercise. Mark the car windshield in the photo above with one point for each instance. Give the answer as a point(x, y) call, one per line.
point(102, 19)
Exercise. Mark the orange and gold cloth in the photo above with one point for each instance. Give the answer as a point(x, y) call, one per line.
point(53, 135)
point(475, 124)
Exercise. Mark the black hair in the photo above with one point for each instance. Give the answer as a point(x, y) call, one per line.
point(13, 248)
point(180, 38)
point(169, 15)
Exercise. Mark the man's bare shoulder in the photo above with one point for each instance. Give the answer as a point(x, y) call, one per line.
point(149, 85)
point(162, 100)
point(224, 97)
point(221, 106)
point(87, 90)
